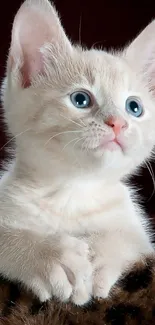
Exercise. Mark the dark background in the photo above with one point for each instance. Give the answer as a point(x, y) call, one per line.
point(111, 23)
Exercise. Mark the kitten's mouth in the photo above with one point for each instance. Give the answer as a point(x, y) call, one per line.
point(111, 145)
point(109, 142)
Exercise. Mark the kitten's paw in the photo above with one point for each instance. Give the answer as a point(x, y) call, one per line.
point(107, 270)
point(76, 271)
point(102, 284)
point(111, 255)
point(104, 277)
point(68, 275)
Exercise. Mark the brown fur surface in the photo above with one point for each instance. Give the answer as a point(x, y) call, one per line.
point(132, 302)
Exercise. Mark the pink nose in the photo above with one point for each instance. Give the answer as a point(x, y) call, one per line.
point(117, 123)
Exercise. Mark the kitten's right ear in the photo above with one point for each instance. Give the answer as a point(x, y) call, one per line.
point(141, 55)
point(36, 24)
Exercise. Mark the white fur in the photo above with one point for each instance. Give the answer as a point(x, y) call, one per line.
point(69, 226)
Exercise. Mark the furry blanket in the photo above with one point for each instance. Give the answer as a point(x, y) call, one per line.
point(131, 302)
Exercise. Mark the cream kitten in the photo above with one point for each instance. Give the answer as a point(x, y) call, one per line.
point(82, 119)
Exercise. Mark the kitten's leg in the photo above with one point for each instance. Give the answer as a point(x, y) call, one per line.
point(52, 266)
point(113, 253)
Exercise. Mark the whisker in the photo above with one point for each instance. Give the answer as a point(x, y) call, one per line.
point(97, 112)
point(87, 146)
point(78, 141)
point(16, 136)
point(70, 120)
point(64, 132)
point(82, 122)
point(97, 43)
point(69, 143)
point(149, 167)
point(80, 26)
point(74, 151)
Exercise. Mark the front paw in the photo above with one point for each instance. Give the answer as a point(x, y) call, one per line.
point(104, 277)
point(107, 271)
point(71, 276)
point(67, 275)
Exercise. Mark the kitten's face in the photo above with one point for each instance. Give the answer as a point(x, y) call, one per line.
point(90, 107)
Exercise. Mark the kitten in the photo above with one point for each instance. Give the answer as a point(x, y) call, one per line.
point(83, 120)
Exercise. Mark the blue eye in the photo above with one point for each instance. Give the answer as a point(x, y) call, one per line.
point(134, 107)
point(80, 99)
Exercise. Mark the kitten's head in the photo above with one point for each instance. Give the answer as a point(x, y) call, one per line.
point(87, 107)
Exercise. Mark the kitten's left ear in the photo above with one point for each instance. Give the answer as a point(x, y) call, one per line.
point(141, 54)
point(35, 25)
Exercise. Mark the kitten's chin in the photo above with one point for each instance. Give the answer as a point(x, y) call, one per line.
point(112, 146)
point(113, 158)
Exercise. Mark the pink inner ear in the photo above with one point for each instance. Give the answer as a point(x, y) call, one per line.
point(26, 81)
point(141, 53)
point(32, 66)
point(35, 25)
point(27, 72)
point(32, 38)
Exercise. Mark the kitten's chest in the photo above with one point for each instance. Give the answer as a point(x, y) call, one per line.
point(82, 210)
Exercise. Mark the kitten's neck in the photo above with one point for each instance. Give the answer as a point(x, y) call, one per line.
point(55, 172)
point(38, 167)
